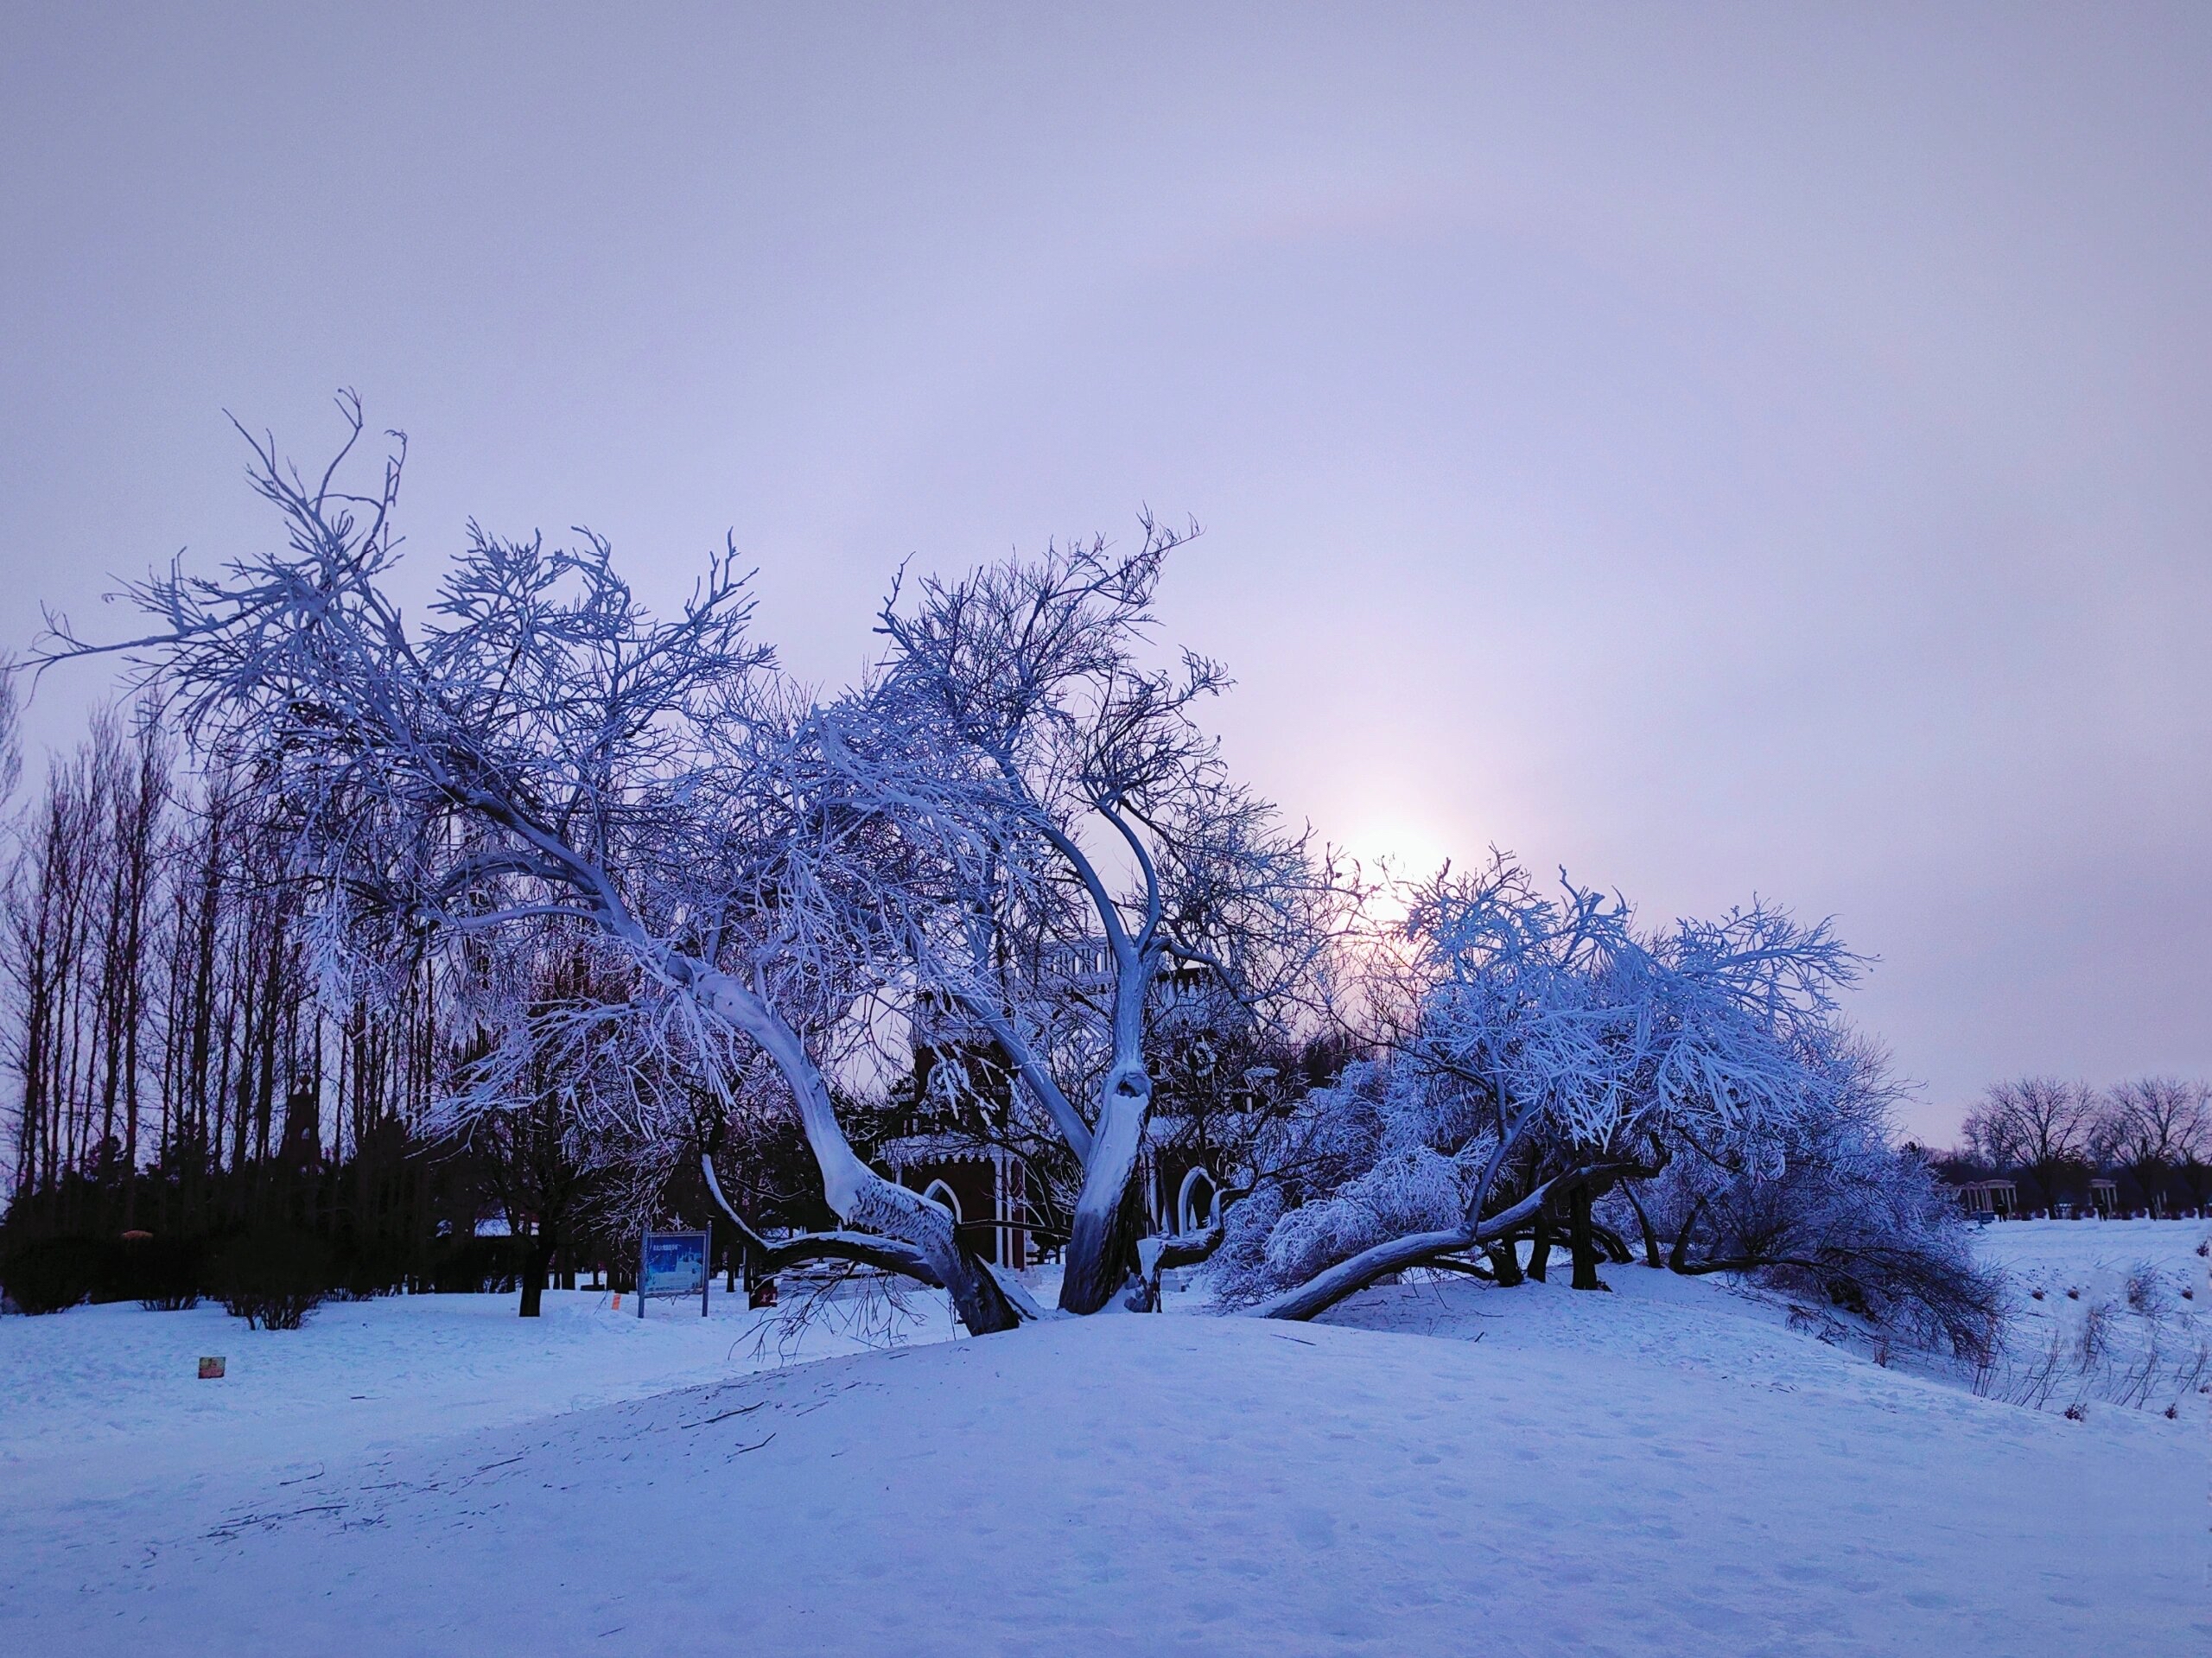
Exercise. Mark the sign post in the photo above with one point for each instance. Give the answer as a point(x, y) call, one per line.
point(672, 1263)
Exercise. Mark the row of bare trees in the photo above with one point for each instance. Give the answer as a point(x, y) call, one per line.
point(185, 1059)
point(180, 1066)
point(2154, 1133)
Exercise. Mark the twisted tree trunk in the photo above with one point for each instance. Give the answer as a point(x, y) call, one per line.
point(1644, 1220)
point(1539, 1249)
point(1505, 1262)
point(1103, 1233)
point(1678, 1258)
point(1582, 1239)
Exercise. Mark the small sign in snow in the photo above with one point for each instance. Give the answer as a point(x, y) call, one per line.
point(211, 1369)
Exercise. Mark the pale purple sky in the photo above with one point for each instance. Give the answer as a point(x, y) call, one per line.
point(1722, 450)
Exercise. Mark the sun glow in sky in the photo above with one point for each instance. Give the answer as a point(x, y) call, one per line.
point(1402, 848)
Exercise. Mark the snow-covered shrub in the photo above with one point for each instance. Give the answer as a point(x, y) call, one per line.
point(1877, 1238)
point(1409, 1190)
point(2146, 1289)
point(1381, 1154)
point(1837, 1210)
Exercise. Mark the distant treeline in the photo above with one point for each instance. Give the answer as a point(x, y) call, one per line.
point(2142, 1145)
point(178, 1068)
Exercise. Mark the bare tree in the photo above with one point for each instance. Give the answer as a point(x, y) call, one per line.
point(12, 743)
point(2039, 1125)
point(2154, 1127)
point(79, 906)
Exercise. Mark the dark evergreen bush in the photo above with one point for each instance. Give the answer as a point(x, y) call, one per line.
point(273, 1278)
point(472, 1266)
point(366, 1270)
point(164, 1275)
point(50, 1274)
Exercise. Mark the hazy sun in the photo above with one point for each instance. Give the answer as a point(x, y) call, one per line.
point(1409, 847)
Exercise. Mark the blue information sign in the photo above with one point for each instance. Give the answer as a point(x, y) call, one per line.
point(672, 1263)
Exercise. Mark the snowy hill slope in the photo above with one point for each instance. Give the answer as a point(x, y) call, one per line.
point(1623, 1474)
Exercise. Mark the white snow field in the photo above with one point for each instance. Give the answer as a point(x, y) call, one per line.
point(1445, 1469)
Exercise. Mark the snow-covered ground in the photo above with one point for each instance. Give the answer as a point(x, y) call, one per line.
point(1674, 1468)
point(2104, 1315)
point(101, 1401)
point(2055, 1253)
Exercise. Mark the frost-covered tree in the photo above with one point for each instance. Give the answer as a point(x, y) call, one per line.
point(538, 746)
point(1515, 1017)
point(1075, 834)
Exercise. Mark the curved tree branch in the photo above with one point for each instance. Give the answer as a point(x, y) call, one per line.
point(1323, 1290)
point(864, 1250)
